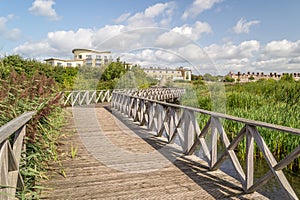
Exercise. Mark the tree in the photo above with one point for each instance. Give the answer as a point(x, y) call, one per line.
point(112, 71)
point(228, 79)
point(209, 77)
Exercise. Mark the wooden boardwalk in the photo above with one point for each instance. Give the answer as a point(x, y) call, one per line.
point(117, 159)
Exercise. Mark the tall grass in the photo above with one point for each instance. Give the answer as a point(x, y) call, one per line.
point(20, 93)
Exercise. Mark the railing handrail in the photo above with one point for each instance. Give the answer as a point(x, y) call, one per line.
point(171, 121)
point(11, 147)
point(86, 97)
point(12, 126)
point(224, 116)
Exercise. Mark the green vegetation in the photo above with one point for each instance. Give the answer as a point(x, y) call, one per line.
point(269, 101)
point(27, 85)
point(24, 92)
point(117, 76)
point(229, 79)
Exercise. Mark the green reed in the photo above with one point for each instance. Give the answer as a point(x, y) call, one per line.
point(271, 101)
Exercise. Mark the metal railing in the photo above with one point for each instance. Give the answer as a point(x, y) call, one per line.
point(180, 121)
point(11, 146)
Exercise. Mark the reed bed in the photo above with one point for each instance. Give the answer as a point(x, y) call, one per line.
point(20, 93)
point(269, 101)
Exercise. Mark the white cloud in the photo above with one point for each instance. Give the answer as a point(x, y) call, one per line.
point(122, 18)
point(242, 26)
point(180, 36)
point(282, 48)
point(59, 43)
point(9, 34)
point(35, 49)
point(147, 18)
point(167, 47)
point(246, 49)
point(198, 7)
point(44, 8)
point(280, 56)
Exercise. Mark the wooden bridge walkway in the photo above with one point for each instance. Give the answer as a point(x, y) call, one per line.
point(117, 159)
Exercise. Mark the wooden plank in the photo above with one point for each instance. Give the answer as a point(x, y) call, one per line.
point(17, 150)
point(89, 178)
point(249, 160)
point(229, 117)
point(213, 146)
point(279, 166)
point(178, 125)
point(279, 175)
point(12, 126)
point(4, 170)
point(189, 132)
point(231, 153)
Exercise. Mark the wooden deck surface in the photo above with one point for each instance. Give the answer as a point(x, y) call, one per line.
point(117, 159)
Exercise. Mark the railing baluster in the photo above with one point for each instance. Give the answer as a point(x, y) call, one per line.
point(180, 121)
point(249, 160)
point(10, 155)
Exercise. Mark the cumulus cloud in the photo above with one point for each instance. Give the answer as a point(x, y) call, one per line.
point(9, 34)
point(246, 49)
point(243, 26)
point(282, 56)
point(163, 47)
point(122, 18)
point(44, 8)
point(147, 18)
point(179, 36)
point(59, 43)
point(282, 48)
point(35, 49)
point(198, 7)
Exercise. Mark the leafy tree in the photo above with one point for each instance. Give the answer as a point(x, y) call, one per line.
point(112, 71)
point(228, 79)
point(209, 77)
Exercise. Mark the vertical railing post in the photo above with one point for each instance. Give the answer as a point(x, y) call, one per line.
point(249, 159)
point(214, 145)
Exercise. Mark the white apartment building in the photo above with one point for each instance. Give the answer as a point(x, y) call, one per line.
point(83, 57)
point(182, 73)
point(64, 63)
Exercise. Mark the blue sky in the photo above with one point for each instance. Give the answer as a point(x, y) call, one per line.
point(215, 36)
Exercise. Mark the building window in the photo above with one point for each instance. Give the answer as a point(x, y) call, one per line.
point(78, 65)
point(80, 56)
point(88, 56)
point(69, 64)
point(98, 57)
point(59, 64)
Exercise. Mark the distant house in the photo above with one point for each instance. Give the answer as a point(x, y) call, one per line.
point(83, 57)
point(246, 77)
point(182, 73)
